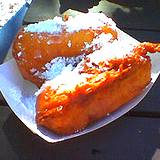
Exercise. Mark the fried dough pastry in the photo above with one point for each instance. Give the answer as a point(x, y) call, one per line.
point(38, 44)
point(94, 88)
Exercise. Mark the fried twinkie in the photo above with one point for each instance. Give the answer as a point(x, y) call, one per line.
point(38, 46)
point(87, 70)
point(98, 86)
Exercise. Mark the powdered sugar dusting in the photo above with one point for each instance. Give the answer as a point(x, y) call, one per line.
point(50, 26)
point(109, 51)
point(89, 20)
point(73, 24)
point(57, 66)
point(19, 54)
point(8, 8)
point(67, 80)
point(33, 70)
point(97, 42)
point(69, 43)
point(116, 49)
point(64, 73)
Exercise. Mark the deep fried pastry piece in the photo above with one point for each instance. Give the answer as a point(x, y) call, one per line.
point(68, 107)
point(38, 44)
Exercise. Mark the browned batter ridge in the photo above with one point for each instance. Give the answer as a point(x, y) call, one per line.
point(111, 84)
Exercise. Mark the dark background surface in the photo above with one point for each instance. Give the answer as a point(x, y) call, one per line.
point(134, 136)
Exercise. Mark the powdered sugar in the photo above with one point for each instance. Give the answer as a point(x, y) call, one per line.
point(69, 43)
point(50, 26)
point(80, 22)
point(64, 73)
point(89, 20)
point(57, 66)
point(97, 42)
point(9, 8)
point(116, 49)
point(67, 80)
point(19, 54)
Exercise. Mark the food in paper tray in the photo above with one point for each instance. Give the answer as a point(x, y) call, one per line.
point(92, 72)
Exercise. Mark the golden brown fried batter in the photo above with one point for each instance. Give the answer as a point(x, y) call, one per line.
point(68, 111)
point(32, 50)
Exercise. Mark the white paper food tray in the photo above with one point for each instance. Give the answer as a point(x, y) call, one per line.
point(20, 96)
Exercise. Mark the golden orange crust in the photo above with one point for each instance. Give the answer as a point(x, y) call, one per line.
point(72, 110)
point(109, 83)
point(145, 47)
point(69, 112)
point(34, 50)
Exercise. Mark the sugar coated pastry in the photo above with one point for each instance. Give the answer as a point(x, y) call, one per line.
point(84, 69)
point(38, 47)
point(99, 85)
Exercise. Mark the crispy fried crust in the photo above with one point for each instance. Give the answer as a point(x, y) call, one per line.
point(83, 109)
point(33, 50)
